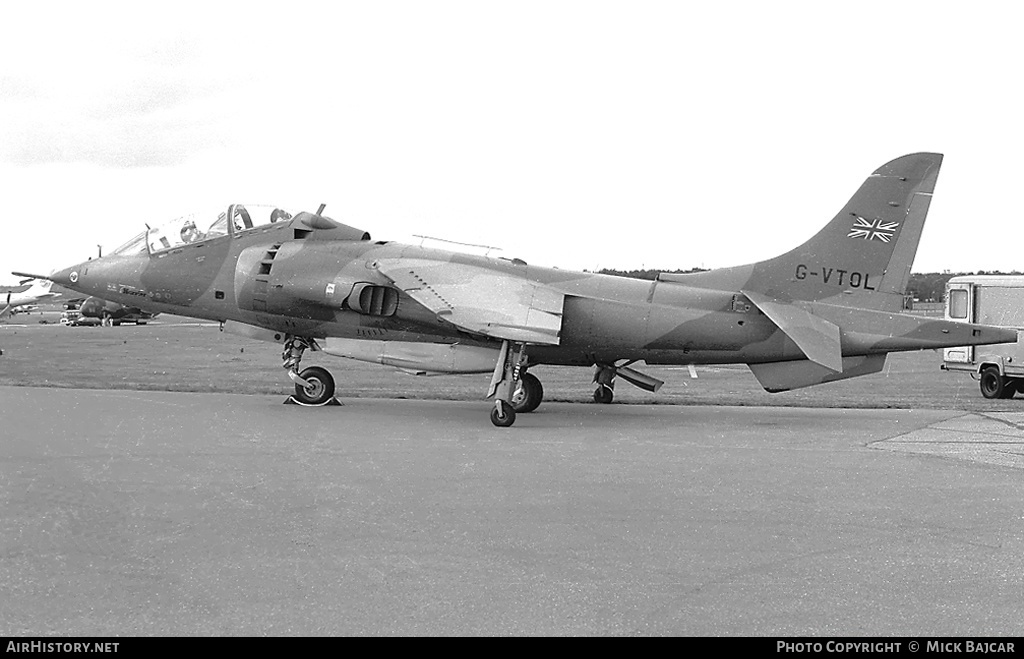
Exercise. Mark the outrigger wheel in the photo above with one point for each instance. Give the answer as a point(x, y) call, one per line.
point(320, 389)
point(503, 414)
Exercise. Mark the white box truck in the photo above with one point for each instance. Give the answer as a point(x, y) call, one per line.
point(991, 300)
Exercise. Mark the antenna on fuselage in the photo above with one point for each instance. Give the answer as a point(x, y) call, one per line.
point(320, 211)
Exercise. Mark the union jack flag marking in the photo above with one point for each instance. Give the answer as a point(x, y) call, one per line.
point(872, 229)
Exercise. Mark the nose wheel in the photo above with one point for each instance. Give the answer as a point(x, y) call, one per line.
point(319, 387)
point(314, 386)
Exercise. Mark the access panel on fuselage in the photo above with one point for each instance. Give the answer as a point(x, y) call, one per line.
point(182, 275)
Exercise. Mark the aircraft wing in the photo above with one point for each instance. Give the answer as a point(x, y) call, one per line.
point(480, 300)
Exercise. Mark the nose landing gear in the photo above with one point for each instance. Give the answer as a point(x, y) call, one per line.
point(314, 386)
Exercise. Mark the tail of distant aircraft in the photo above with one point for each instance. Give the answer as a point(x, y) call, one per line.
point(864, 254)
point(39, 287)
point(11, 301)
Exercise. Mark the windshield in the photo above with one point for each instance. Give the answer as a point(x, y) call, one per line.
point(198, 227)
point(136, 245)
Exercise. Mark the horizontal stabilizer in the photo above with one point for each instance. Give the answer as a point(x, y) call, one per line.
point(783, 376)
point(638, 379)
point(816, 337)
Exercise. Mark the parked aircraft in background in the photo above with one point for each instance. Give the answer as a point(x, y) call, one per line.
point(18, 301)
point(97, 311)
point(825, 311)
point(113, 313)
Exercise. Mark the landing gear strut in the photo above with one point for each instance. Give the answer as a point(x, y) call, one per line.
point(604, 376)
point(510, 368)
point(314, 386)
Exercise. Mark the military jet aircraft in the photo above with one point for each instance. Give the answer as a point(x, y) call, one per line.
point(15, 301)
point(828, 310)
point(113, 313)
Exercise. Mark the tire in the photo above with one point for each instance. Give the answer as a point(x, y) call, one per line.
point(507, 418)
point(321, 387)
point(991, 383)
point(528, 395)
point(603, 395)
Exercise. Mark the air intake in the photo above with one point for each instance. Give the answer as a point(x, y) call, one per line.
point(373, 300)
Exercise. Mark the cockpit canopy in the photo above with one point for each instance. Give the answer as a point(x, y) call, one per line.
point(237, 220)
point(197, 227)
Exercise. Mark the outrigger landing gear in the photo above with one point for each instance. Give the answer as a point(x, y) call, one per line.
point(507, 372)
point(604, 376)
point(314, 386)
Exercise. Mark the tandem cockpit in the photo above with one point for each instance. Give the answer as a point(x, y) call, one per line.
point(237, 220)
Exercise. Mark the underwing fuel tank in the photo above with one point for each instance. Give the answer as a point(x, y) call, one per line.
point(417, 358)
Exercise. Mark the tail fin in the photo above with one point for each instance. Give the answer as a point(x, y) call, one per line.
point(39, 287)
point(866, 251)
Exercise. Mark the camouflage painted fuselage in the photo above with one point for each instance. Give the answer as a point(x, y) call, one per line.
point(604, 319)
point(827, 310)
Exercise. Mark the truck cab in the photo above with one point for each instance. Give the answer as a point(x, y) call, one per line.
point(991, 300)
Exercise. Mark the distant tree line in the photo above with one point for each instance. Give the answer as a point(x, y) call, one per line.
point(923, 287)
point(649, 275)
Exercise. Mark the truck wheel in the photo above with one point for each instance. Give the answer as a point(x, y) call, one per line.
point(992, 385)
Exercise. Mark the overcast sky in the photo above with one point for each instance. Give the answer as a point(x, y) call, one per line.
point(578, 134)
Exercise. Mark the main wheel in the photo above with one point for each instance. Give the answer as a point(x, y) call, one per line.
point(992, 384)
point(506, 417)
point(528, 394)
point(320, 389)
point(603, 394)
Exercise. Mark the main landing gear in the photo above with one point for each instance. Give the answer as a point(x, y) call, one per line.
point(314, 386)
point(528, 393)
point(514, 390)
point(604, 377)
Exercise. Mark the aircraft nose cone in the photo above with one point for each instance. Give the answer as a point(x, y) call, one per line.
point(68, 277)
